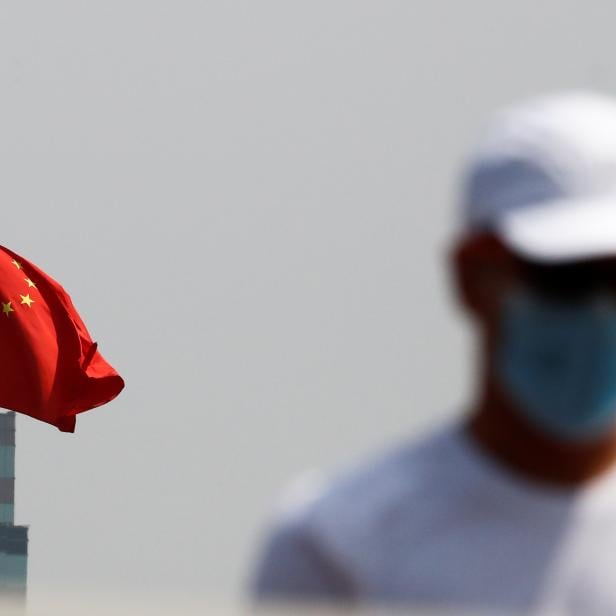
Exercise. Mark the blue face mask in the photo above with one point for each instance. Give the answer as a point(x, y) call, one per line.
point(558, 362)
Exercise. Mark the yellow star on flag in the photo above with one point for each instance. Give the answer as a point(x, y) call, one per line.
point(16, 263)
point(26, 299)
point(30, 283)
point(6, 308)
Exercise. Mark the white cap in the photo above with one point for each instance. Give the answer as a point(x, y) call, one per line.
point(544, 178)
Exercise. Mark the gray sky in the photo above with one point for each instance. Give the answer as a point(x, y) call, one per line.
point(249, 203)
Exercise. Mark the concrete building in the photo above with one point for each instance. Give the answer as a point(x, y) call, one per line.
point(13, 539)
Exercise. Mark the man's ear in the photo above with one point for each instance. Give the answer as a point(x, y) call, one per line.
point(480, 265)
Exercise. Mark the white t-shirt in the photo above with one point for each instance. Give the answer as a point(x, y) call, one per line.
point(439, 523)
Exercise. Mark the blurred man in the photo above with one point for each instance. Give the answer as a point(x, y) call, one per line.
point(514, 507)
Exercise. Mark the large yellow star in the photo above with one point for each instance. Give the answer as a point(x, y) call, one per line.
point(16, 263)
point(6, 308)
point(30, 283)
point(26, 299)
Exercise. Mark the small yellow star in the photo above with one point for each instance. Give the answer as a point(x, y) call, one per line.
point(6, 308)
point(30, 283)
point(26, 299)
point(17, 264)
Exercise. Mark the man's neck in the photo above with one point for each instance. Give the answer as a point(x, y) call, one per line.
point(505, 434)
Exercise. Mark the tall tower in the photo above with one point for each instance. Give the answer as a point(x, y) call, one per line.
point(13, 539)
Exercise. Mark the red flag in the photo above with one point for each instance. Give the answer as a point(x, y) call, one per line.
point(50, 368)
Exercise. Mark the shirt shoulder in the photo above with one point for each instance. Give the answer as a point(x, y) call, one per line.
point(404, 483)
point(344, 522)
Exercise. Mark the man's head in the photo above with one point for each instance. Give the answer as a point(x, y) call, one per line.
point(536, 261)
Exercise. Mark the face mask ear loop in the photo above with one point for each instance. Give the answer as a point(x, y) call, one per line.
point(520, 294)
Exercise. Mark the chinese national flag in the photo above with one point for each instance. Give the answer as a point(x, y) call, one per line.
point(50, 368)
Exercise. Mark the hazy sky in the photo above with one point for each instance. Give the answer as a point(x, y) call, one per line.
point(249, 203)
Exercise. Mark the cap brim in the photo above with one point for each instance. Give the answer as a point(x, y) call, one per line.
point(563, 230)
